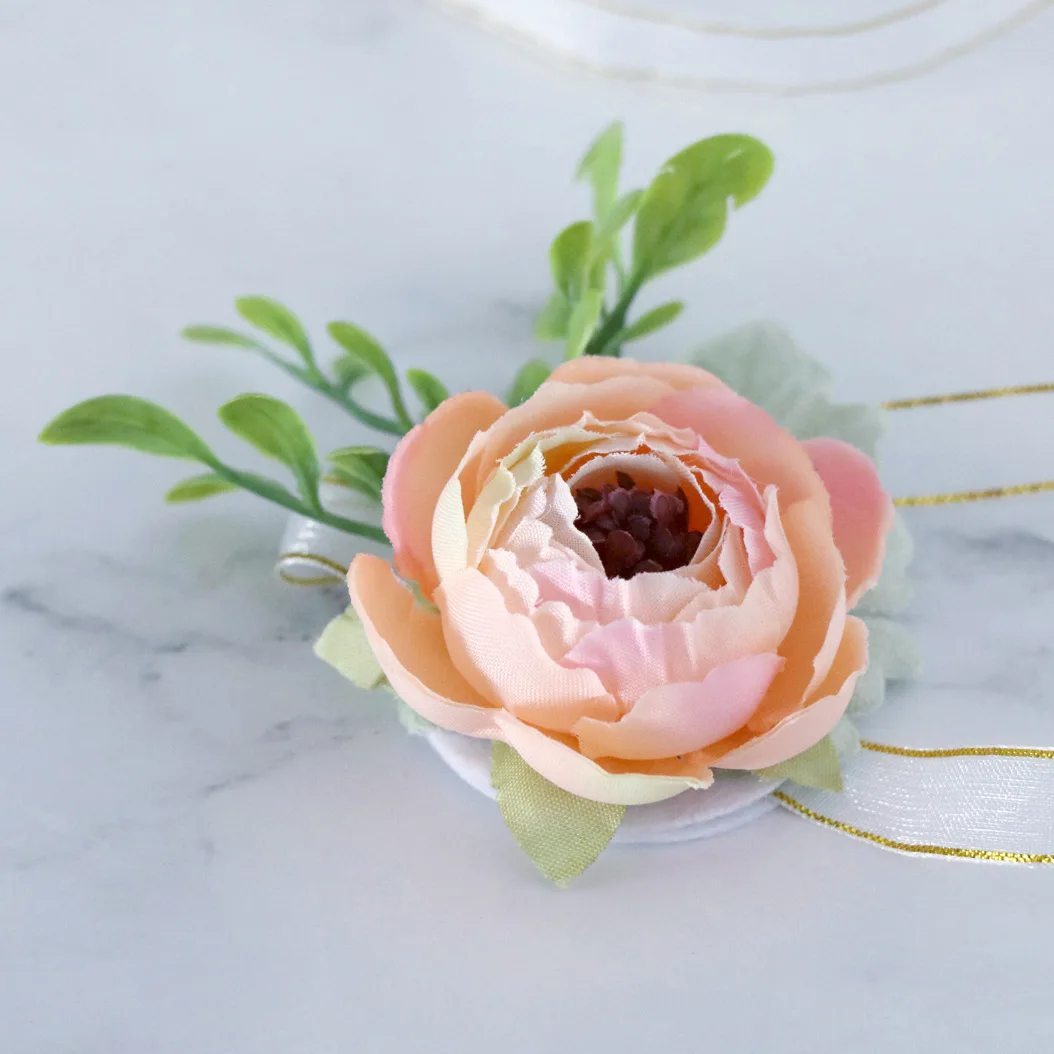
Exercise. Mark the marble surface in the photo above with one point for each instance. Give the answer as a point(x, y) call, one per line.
point(208, 843)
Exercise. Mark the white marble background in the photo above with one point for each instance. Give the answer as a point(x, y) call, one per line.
point(208, 843)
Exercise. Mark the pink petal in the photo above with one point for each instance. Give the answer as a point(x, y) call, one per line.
point(807, 727)
point(425, 458)
point(588, 369)
point(862, 510)
point(408, 642)
point(675, 719)
point(501, 654)
point(563, 765)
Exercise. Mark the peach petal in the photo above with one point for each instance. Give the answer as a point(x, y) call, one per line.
point(409, 645)
point(807, 727)
point(425, 458)
point(589, 369)
point(862, 511)
point(737, 428)
point(567, 768)
point(674, 719)
point(500, 653)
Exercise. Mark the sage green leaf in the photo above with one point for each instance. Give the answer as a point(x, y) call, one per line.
point(551, 323)
point(685, 208)
point(893, 591)
point(218, 335)
point(818, 767)
point(893, 655)
point(600, 166)
point(344, 646)
point(348, 371)
point(652, 320)
point(412, 721)
point(562, 833)
point(531, 377)
point(569, 259)
point(125, 420)
point(278, 431)
point(277, 321)
point(584, 321)
point(430, 390)
point(197, 487)
point(360, 345)
point(607, 232)
point(361, 467)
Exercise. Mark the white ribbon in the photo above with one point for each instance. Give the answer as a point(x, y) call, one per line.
point(893, 41)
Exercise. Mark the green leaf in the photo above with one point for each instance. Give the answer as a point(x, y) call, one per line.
point(621, 212)
point(817, 767)
point(348, 371)
point(583, 322)
point(569, 258)
point(600, 166)
point(278, 431)
point(197, 487)
point(652, 320)
point(361, 467)
point(562, 833)
point(430, 390)
point(125, 420)
point(218, 335)
point(360, 345)
point(530, 378)
point(277, 321)
point(344, 646)
point(551, 323)
point(684, 210)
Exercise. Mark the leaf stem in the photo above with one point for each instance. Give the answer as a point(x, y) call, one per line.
point(293, 504)
point(615, 320)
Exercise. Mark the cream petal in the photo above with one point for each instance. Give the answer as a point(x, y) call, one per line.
point(568, 769)
point(674, 719)
point(500, 653)
point(803, 729)
point(862, 510)
point(408, 642)
point(422, 463)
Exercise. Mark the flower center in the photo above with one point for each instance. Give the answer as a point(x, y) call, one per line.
point(635, 530)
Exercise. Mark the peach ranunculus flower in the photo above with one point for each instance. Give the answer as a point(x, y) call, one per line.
point(635, 578)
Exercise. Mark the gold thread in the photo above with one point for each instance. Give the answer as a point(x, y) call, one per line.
point(975, 495)
point(320, 580)
point(727, 29)
point(968, 397)
point(923, 849)
point(958, 752)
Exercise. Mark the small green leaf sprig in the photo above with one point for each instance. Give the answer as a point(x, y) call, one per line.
point(680, 216)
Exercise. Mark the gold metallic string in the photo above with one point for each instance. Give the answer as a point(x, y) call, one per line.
point(958, 752)
point(319, 580)
point(968, 397)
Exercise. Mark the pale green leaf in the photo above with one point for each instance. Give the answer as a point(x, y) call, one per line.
point(430, 390)
point(652, 320)
point(348, 371)
point(894, 589)
point(551, 323)
point(584, 321)
point(278, 431)
point(600, 166)
point(569, 258)
point(684, 210)
point(361, 467)
point(125, 420)
point(197, 487)
point(818, 767)
point(344, 646)
point(218, 335)
point(607, 232)
point(412, 721)
point(562, 833)
point(359, 344)
point(277, 321)
point(893, 655)
point(531, 377)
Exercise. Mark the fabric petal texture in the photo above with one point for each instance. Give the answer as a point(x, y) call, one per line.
point(637, 576)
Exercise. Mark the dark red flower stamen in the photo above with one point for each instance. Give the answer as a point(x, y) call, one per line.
point(635, 530)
